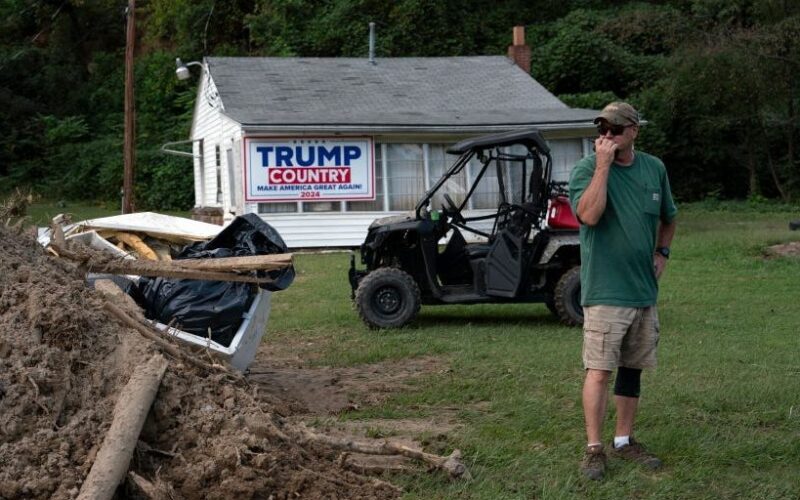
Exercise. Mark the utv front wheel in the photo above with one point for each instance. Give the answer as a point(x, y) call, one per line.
point(567, 297)
point(387, 298)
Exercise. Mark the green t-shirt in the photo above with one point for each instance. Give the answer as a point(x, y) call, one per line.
point(617, 253)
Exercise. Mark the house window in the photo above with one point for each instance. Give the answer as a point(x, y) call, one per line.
point(322, 206)
point(565, 153)
point(233, 192)
point(487, 192)
point(218, 169)
point(406, 175)
point(199, 152)
point(277, 208)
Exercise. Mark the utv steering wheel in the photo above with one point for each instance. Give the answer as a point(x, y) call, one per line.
point(506, 208)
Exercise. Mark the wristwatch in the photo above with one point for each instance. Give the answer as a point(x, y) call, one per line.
point(664, 251)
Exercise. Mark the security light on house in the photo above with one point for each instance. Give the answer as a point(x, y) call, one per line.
point(182, 71)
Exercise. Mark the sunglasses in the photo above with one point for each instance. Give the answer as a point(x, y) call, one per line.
point(604, 128)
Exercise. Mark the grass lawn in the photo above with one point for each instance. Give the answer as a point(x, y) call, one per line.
point(722, 409)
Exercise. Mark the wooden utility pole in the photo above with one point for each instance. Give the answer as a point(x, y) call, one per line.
point(129, 148)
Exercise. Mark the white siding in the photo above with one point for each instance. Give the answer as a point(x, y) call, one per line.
point(323, 230)
point(210, 125)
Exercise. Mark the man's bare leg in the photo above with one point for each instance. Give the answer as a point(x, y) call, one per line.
point(626, 414)
point(595, 397)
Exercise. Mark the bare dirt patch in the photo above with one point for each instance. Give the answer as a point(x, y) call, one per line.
point(320, 394)
point(791, 249)
point(63, 363)
point(328, 390)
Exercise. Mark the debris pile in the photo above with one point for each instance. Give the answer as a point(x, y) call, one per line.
point(206, 288)
point(64, 362)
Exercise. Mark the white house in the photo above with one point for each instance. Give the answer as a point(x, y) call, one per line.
point(389, 120)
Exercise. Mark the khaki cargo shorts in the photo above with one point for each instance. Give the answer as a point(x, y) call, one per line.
point(619, 336)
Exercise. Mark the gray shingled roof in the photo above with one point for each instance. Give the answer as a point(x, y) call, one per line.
point(413, 91)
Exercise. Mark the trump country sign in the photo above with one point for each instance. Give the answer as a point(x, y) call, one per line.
point(309, 169)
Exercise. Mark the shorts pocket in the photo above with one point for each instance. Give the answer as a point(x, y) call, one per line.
point(595, 343)
point(596, 326)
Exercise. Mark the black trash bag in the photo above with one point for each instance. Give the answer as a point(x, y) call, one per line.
point(247, 235)
point(214, 308)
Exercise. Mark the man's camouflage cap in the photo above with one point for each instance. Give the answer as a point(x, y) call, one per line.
point(619, 113)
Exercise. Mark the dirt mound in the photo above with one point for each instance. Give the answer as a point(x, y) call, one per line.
point(63, 363)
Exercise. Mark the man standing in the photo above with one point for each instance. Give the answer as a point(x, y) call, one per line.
point(623, 201)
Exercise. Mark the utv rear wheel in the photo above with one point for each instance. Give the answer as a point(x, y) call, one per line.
point(567, 297)
point(387, 298)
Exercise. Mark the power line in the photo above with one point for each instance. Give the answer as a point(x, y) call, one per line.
point(205, 30)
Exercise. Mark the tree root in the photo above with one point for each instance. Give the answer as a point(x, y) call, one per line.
point(451, 464)
point(345, 462)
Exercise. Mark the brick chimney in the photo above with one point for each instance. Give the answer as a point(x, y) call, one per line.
point(519, 52)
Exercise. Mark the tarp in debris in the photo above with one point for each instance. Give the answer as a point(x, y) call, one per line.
point(150, 223)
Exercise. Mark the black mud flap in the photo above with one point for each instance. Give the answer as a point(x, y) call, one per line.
point(354, 276)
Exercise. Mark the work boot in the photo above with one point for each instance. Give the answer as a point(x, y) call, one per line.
point(636, 452)
point(593, 465)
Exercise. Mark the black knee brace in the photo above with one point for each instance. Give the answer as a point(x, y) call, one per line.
point(628, 382)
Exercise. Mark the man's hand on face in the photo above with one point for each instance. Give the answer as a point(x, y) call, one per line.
point(606, 149)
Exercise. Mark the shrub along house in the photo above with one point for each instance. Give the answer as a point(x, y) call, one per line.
point(320, 147)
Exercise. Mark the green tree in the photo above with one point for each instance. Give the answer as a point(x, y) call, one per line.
point(732, 117)
point(579, 53)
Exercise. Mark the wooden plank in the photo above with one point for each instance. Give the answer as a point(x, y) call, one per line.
point(158, 268)
point(250, 263)
point(135, 242)
point(167, 270)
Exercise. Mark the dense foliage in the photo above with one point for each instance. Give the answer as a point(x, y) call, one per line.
point(716, 79)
